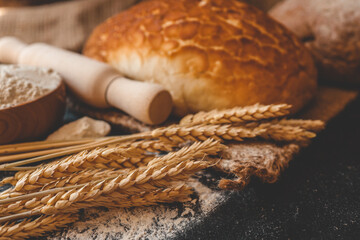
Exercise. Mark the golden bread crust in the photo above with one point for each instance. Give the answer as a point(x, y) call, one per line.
point(208, 54)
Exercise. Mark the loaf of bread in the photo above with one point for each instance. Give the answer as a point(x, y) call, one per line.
point(331, 31)
point(209, 54)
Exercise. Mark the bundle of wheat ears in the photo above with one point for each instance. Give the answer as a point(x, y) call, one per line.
point(125, 171)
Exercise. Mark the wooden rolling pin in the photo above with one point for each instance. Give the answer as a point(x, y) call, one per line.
point(96, 83)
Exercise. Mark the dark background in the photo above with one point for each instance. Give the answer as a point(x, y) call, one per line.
point(317, 197)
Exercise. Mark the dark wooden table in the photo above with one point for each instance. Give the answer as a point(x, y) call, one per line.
point(317, 197)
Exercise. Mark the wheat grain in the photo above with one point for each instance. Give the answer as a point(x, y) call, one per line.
point(237, 115)
point(30, 228)
point(8, 180)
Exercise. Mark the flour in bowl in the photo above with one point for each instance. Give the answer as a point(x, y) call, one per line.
point(20, 84)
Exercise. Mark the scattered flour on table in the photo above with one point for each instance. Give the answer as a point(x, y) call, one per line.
point(158, 222)
point(82, 128)
point(20, 84)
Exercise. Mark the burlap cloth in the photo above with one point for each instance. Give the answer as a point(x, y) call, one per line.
point(63, 24)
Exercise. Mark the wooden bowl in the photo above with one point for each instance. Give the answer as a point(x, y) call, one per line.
point(34, 119)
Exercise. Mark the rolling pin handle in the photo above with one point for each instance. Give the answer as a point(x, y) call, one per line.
point(147, 102)
point(10, 49)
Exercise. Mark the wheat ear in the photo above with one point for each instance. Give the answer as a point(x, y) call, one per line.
point(165, 139)
point(237, 114)
point(129, 141)
point(151, 196)
point(179, 134)
point(131, 155)
point(135, 182)
point(154, 146)
point(279, 132)
point(28, 184)
point(100, 158)
point(173, 135)
point(29, 228)
point(266, 130)
point(172, 167)
point(284, 130)
point(310, 125)
point(52, 172)
point(178, 193)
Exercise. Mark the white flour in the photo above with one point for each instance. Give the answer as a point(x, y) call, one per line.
point(158, 222)
point(20, 84)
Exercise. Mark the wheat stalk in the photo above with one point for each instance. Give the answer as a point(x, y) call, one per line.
point(40, 145)
point(178, 193)
point(99, 158)
point(35, 227)
point(310, 125)
point(168, 137)
point(154, 146)
point(129, 148)
point(33, 157)
point(265, 130)
point(162, 170)
point(280, 132)
point(29, 184)
point(152, 195)
point(237, 114)
point(180, 134)
point(125, 171)
point(283, 130)
point(135, 182)
point(52, 172)
point(172, 135)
